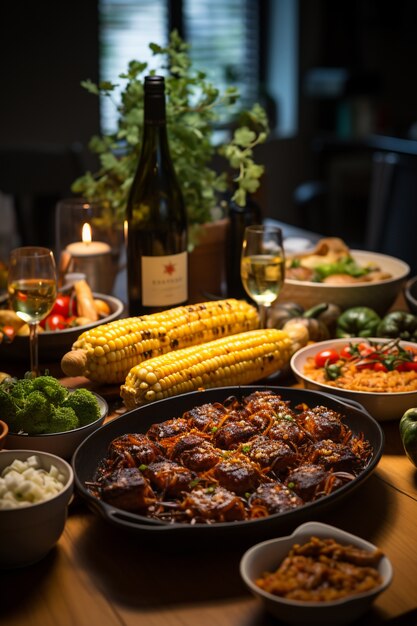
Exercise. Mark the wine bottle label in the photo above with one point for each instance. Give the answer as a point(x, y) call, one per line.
point(164, 280)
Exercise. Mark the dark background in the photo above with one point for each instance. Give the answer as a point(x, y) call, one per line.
point(46, 49)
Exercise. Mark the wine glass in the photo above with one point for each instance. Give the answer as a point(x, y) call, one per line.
point(262, 266)
point(32, 287)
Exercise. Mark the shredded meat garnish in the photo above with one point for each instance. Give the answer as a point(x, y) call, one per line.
point(322, 570)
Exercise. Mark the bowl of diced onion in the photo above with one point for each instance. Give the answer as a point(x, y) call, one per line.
point(35, 491)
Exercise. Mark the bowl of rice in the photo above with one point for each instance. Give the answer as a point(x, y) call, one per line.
point(318, 575)
point(385, 390)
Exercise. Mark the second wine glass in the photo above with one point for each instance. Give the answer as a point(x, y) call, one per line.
point(263, 266)
point(32, 290)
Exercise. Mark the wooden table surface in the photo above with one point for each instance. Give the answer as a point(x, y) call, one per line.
point(100, 574)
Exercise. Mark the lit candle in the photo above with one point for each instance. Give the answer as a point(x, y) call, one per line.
point(93, 258)
point(87, 247)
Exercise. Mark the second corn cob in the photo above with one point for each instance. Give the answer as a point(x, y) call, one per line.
point(107, 352)
point(237, 360)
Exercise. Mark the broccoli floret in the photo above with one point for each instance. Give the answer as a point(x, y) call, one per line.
point(35, 416)
point(85, 405)
point(7, 408)
point(63, 419)
point(20, 390)
point(51, 388)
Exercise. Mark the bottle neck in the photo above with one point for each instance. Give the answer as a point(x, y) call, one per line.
point(154, 108)
point(155, 137)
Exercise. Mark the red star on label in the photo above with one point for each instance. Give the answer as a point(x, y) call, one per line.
point(169, 269)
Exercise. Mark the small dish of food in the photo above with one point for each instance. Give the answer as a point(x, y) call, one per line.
point(331, 272)
point(35, 491)
point(319, 574)
point(72, 314)
point(42, 414)
point(379, 373)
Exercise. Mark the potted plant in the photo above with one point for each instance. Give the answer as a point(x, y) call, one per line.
point(195, 109)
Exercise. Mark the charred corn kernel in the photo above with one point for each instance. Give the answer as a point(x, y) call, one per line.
point(107, 352)
point(236, 360)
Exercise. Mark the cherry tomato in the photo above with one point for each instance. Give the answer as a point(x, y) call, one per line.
point(379, 367)
point(55, 321)
point(346, 352)
point(326, 357)
point(365, 350)
point(62, 306)
point(407, 366)
point(9, 332)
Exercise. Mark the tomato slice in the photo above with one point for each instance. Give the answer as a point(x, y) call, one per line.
point(326, 357)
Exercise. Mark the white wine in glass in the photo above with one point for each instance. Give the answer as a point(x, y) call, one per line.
point(263, 266)
point(32, 287)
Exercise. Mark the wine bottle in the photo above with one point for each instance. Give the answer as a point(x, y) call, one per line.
point(157, 260)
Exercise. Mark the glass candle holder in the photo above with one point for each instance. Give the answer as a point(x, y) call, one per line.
point(85, 244)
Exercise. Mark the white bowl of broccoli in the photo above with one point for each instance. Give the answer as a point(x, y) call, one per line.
point(44, 415)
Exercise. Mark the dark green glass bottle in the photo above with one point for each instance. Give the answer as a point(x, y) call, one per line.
point(157, 260)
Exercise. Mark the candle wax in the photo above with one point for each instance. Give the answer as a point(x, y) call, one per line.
point(92, 248)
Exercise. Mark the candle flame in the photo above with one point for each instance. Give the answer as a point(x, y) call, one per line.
point(86, 233)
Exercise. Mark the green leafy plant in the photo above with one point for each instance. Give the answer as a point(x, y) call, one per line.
point(194, 107)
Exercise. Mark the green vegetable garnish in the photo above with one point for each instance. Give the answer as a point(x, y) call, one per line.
point(43, 405)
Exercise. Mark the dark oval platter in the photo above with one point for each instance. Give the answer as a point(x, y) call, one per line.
point(94, 448)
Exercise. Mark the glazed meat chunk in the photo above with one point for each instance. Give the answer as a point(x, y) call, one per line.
point(214, 504)
point(169, 428)
point(288, 431)
point(332, 455)
point(134, 450)
point(237, 475)
point(323, 423)
point(168, 477)
point(268, 400)
point(205, 417)
point(231, 434)
point(308, 481)
point(276, 455)
point(195, 452)
point(274, 498)
point(127, 489)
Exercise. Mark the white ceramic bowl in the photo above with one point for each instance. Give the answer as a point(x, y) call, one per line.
point(266, 556)
point(382, 406)
point(29, 533)
point(62, 444)
point(410, 294)
point(379, 295)
point(53, 344)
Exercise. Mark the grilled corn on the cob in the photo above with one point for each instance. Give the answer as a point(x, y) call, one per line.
point(107, 352)
point(237, 360)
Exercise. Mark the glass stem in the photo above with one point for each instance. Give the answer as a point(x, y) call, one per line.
point(33, 343)
point(263, 315)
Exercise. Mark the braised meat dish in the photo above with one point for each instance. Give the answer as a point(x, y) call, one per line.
point(237, 460)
